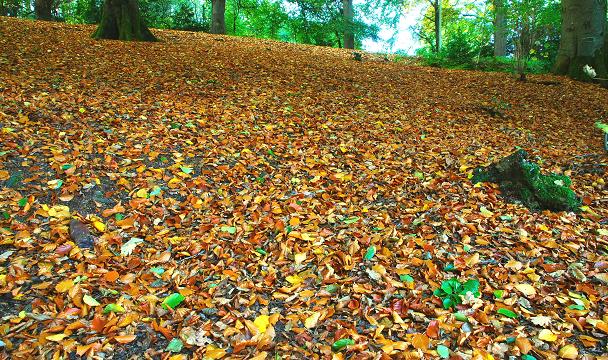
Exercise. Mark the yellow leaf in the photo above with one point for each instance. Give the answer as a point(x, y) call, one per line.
point(568, 352)
point(547, 335)
point(300, 257)
point(526, 289)
point(56, 337)
point(262, 322)
point(312, 320)
point(294, 221)
point(294, 279)
point(307, 236)
point(485, 212)
point(59, 212)
point(64, 286)
point(213, 352)
point(178, 357)
point(142, 193)
point(89, 300)
point(99, 226)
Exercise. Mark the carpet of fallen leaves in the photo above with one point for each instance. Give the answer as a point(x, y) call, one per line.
point(257, 199)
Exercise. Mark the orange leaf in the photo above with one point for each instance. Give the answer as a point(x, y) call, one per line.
point(421, 341)
point(111, 276)
point(124, 339)
point(98, 324)
point(432, 330)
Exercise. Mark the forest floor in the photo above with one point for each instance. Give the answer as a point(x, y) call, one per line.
point(294, 197)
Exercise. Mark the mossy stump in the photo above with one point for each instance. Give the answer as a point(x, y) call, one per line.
point(121, 20)
point(521, 180)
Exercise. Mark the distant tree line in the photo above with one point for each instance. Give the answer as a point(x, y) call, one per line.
point(564, 35)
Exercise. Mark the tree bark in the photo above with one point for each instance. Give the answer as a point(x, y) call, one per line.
point(349, 14)
point(43, 9)
point(500, 28)
point(218, 16)
point(583, 39)
point(121, 20)
point(437, 7)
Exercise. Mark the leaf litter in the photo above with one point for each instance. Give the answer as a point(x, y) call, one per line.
point(249, 198)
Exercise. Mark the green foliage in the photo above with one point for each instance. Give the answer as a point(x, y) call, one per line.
point(452, 291)
point(602, 126)
point(185, 19)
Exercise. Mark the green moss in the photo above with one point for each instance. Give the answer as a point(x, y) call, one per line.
point(523, 181)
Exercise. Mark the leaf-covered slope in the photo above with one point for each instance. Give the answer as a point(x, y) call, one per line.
point(294, 197)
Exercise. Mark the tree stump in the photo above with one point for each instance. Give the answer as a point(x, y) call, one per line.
point(522, 181)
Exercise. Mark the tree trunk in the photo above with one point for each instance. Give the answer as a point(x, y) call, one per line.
point(583, 39)
point(43, 9)
point(437, 7)
point(218, 16)
point(349, 36)
point(121, 20)
point(500, 28)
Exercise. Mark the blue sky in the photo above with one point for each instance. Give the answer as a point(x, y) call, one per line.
point(404, 39)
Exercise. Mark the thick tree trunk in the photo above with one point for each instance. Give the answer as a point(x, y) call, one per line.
point(43, 9)
point(500, 28)
point(218, 16)
point(349, 14)
point(583, 39)
point(437, 7)
point(121, 20)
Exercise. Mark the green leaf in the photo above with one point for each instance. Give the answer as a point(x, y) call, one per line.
point(341, 344)
point(175, 345)
point(449, 286)
point(229, 229)
point(576, 307)
point(173, 300)
point(332, 288)
point(6, 215)
point(508, 313)
point(471, 285)
point(369, 254)
point(527, 357)
point(119, 217)
point(406, 278)
point(186, 169)
point(261, 251)
point(22, 202)
point(351, 220)
point(499, 293)
point(449, 267)
point(155, 191)
point(89, 300)
point(448, 302)
point(461, 317)
point(66, 166)
point(115, 308)
point(443, 351)
point(158, 270)
point(419, 175)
